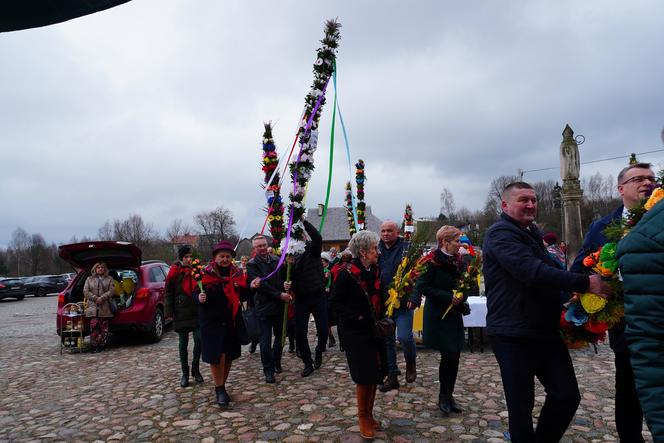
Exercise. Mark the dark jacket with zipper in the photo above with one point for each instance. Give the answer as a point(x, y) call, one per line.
point(307, 272)
point(267, 298)
point(178, 303)
point(523, 283)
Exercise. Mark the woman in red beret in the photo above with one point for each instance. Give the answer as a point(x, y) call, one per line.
point(218, 309)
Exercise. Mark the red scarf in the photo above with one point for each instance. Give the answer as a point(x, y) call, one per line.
point(211, 277)
point(373, 292)
point(188, 283)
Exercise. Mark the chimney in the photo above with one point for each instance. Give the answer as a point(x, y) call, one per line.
point(320, 209)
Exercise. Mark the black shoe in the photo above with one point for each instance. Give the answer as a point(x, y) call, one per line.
point(341, 346)
point(252, 347)
point(196, 373)
point(269, 378)
point(318, 360)
point(184, 380)
point(444, 405)
point(392, 382)
point(454, 407)
point(307, 371)
point(277, 367)
point(291, 348)
point(223, 399)
point(331, 342)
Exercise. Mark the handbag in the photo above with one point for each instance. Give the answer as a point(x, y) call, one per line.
point(248, 327)
point(382, 328)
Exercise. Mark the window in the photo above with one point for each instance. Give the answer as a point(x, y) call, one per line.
point(156, 274)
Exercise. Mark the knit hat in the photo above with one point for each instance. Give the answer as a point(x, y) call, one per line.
point(184, 250)
point(326, 256)
point(223, 246)
point(550, 238)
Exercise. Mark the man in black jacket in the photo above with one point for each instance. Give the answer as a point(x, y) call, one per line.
point(523, 287)
point(269, 299)
point(308, 285)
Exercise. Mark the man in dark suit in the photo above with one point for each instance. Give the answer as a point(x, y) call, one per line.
point(634, 183)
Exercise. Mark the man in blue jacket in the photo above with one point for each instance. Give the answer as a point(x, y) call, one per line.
point(634, 183)
point(523, 287)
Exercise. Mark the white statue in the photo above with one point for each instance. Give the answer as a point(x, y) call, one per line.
point(570, 164)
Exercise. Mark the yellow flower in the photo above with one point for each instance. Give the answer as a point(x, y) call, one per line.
point(592, 302)
point(655, 197)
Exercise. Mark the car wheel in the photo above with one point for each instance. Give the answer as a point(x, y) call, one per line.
point(20, 297)
point(41, 292)
point(157, 329)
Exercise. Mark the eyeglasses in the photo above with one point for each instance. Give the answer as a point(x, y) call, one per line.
point(640, 179)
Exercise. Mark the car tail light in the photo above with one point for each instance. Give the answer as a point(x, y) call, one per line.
point(2, 286)
point(142, 293)
point(61, 298)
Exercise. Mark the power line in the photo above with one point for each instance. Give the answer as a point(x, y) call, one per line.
point(597, 161)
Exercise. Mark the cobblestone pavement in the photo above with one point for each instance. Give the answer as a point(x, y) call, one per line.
point(131, 392)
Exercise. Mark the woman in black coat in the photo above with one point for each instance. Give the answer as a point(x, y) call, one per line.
point(446, 335)
point(218, 309)
point(181, 304)
point(356, 298)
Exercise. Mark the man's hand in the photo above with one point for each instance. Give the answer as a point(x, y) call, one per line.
point(599, 286)
point(255, 283)
point(287, 286)
point(286, 297)
point(202, 297)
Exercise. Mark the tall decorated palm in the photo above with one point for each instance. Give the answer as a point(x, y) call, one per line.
point(360, 178)
point(349, 209)
point(275, 206)
point(302, 167)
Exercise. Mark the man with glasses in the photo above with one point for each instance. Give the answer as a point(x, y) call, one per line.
point(634, 184)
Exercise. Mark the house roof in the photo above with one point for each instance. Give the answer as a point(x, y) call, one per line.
point(336, 223)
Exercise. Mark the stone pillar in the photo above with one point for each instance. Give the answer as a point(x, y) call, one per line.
point(571, 193)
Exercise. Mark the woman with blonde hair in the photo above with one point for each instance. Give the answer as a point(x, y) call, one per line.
point(98, 290)
point(443, 271)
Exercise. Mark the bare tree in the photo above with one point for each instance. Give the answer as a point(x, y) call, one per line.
point(19, 245)
point(177, 228)
point(134, 230)
point(106, 231)
point(492, 205)
point(214, 226)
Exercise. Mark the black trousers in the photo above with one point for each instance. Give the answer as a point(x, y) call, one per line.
point(447, 374)
point(305, 307)
point(520, 361)
point(629, 417)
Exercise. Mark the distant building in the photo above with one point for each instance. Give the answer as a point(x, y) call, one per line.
point(335, 231)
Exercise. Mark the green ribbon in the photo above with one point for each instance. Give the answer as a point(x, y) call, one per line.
point(329, 174)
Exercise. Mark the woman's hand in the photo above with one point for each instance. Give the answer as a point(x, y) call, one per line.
point(99, 301)
point(255, 283)
point(458, 298)
point(202, 297)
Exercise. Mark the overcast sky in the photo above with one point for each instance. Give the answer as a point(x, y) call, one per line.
point(156, 107)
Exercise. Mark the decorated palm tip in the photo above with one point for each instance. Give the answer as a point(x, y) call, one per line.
point(275, 206)
point(302, 167)
point(360, 178)
point(349, 209)
point(408, 227)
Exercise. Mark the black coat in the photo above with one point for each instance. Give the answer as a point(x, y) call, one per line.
point(178, 302)
point(523, 283)
point(365, 353)
point(436, 284)
point(267, 297)
point(216, 322)
point(307, 272)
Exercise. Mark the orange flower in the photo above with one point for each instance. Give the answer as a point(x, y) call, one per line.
point(655, 197)
point(591, 259)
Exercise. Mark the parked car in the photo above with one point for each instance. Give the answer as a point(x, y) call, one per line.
point(12, 288)
point(42, 285)
point(141, 308)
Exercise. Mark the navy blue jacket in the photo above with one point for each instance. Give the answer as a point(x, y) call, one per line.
point(593, 241)
point(523, 283)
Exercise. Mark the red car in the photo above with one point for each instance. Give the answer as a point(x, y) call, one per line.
point(141, 309)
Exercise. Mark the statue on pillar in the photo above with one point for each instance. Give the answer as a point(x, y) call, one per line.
point(570, 164)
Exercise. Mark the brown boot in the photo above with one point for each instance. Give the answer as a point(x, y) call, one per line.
point(392, 382)
point(363, 394)
point(375, 423)
point(411, 371)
